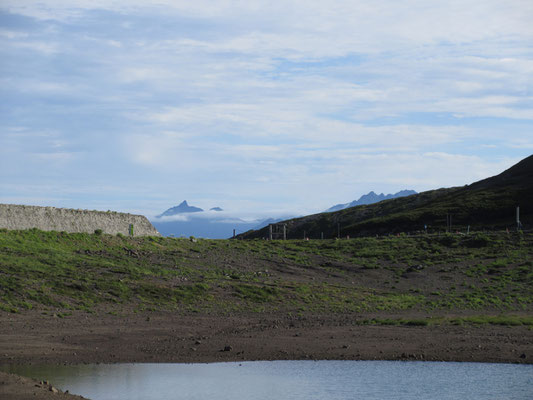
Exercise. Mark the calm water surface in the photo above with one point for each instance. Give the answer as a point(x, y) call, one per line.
point(298, 380)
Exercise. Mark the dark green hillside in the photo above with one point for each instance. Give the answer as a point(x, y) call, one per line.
point(489, 204)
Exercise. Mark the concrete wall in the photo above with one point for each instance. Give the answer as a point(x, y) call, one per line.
point(63, 219)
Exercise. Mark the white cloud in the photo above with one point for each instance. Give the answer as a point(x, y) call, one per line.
point(8, 34)
point(317, 29)
point(39, 46)
point(268, 104)
point(178, 217)
point(520, 143)
point(134, 74)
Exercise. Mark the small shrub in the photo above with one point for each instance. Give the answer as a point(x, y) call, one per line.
point(500, 263)
point(257, 294)
point(477, 240)
point(98, 232)
point(416, 322)
point(448, 240)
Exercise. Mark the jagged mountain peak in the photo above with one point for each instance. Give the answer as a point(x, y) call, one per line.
point(370, 198)
point(182, 208)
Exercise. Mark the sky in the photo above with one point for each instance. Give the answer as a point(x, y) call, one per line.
point(262, 108)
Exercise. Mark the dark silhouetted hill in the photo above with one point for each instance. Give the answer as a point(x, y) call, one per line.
point(489, 204)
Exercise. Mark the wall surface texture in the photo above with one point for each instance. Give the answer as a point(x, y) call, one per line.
point(63, 219)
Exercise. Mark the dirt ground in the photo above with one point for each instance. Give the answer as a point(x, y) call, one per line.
point(14, 387)
point(32, 338)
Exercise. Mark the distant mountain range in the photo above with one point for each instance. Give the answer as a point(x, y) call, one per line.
point(488, 204)
point(184, 208)
point(186, 220)
point(194, 221)
point(371, 198)
point(267, 222)
point(180, 209)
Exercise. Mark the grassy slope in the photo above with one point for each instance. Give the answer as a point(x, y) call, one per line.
point(59, 272)
point(487, 204)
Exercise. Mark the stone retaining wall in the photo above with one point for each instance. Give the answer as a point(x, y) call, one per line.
point(69, 220)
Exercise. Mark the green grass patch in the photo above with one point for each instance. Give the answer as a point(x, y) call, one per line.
point(82, 271)
point(257, 294)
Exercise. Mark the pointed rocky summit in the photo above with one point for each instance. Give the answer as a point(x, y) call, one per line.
point(181, 209)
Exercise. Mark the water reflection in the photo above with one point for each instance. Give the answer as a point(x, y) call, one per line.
point(291, 380)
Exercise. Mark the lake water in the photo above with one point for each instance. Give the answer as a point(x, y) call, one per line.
point(294, 380)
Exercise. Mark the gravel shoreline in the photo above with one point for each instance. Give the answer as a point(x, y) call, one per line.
point(32, 338)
